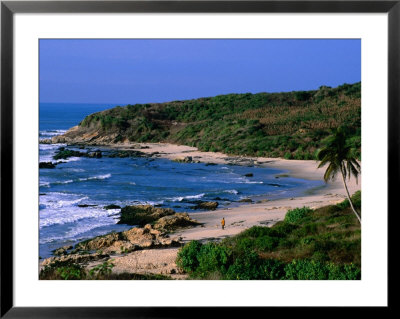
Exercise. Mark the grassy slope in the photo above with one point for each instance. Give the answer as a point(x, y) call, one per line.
point(309, 244)
point(290, 125)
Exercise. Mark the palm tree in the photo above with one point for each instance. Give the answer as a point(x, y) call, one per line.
point(340, 159)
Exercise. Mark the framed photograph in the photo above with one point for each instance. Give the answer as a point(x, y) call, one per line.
point(159, 155)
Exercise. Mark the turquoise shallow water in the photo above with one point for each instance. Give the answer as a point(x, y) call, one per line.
point(130, 181)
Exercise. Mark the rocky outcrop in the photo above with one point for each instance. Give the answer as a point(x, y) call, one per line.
point(128, 241)
point(87, 135)
point(143, 214)
point(47, 165)
point(95, 154)
point(62, 250)
point(185, 159)
point(112, 206)
point(245, 200)
point(74, 259)
point(63, 153)
point(127, 153)
point(172, 222)
point(206, 205)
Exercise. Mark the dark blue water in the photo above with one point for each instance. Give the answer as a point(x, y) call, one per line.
point(130, 181)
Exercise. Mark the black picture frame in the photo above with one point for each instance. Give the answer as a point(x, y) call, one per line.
point(9, 8)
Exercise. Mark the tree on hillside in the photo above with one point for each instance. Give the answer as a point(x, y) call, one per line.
point(340, 158)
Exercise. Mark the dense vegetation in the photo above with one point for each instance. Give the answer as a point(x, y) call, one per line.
point(70, 271)
point(290, 125)
point(324, 243)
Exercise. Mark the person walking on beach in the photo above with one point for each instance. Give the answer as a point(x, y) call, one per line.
point(223, 223)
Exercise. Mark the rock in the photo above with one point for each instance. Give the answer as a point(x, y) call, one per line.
point(206, 205)
point(99, 242)
point(245, 200)
point(46, 165)
point(96, 154)
point(86, 205)
point(112, 206)
point(249, 175)
point(64, 154)
point(143, 214)
point(62, 250)
point(142, 237)
point(128, 241)
point(275, 185)
point(210, 164)
point(74, 259)
point(186, 159)
point(172, 222)
point(127, 153)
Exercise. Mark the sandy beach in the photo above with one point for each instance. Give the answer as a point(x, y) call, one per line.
point(239, 218)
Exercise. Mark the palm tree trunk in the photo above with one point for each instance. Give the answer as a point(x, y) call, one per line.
point(348, 197)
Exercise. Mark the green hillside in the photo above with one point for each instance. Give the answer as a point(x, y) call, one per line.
point(309, 244)
point(290, 124)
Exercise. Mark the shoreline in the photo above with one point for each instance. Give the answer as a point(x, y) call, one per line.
point(238, 218)
point(303, 169)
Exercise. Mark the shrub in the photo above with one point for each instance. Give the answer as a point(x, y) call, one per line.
point(355, 198)
point(306, 270)
point(250, 267)
point(60, 271)
point(256, 231)
point(187, 256)
point(266, 243)
point(346, 272)
point(101, 270)
point(295, 215)
point(213, 258)
point(316, 270)
point(288, 155)
point(282, 229)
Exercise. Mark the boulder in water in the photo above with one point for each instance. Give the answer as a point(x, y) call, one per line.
point(112, 206)
point(46, 165)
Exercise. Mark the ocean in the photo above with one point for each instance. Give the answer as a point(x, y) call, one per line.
point(98, 182)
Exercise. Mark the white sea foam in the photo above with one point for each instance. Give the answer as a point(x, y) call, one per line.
point(65, 182)
point(50, 133)
point(100, 177)
point(76, 232)
point(77, 170)
point(65, 215)
point(46, 147)
point(105, 176)
point(72, 159)
point(44, 184)
point(231, 191)
point(181, 198)
point(51, 202)
point(141, 202)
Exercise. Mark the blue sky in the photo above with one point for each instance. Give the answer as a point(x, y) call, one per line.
point(145, 71)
